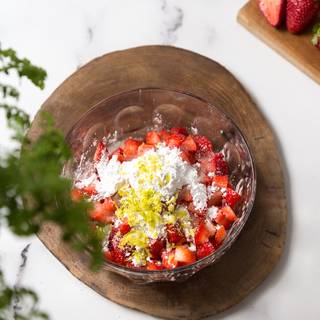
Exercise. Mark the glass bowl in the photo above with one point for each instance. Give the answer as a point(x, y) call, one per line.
point(131, 114)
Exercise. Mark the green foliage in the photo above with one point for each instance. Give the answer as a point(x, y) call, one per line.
point(9, 61)
point(32, 189)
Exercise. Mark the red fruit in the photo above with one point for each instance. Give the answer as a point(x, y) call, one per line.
point(156, 248)
point(184, 256)
point(108, 255)
point(179, 130)
point(221, 165)
point(220, 234)
point(130, 148)
point(124, 228)
point(174, 140)
point(205, 179)
point(204, 249)
point(118, 256)
point(300, 14)
point(189, 144)
point(89, 190)
point(101, 149)
point(168, 259)
point(222, 220)
point(143, 148)
point(215, 199)
point(220, 181)
point(185, 195)
point(103, 211)
point(207, 164)
point(187, 156)
point(229, 214)
point(152, 137)
point(76, 195)
point(174, 234)
point(316, 35)
point(194, 211)
point(154, 265)
point(273, 10)
point(164, 135)
point(119, 153)
point(203, 144)
point(232, 197)
point(204, 231)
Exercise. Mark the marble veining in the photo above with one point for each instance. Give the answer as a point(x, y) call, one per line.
point(17, 303)
point(173, 22)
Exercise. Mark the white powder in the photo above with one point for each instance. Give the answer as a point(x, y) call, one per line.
point(161, 169)
point(212, 212)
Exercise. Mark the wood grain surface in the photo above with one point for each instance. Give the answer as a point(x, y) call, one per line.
point(259, 247)
point(297, 49)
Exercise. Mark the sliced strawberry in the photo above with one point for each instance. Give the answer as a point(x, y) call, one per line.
point(204, 231)
point(220, 181)
point(229, 214)
point(300, 14)
point(76, 194)
point(232, 197)
point(143, 148)
point(118, 256)
point(154, 265)
point(185, 195)
point(220, 235)
point(89, 190)
point(187, 157)
point(168, 259)
point(109, 204)
point(130, 148)
point(222, 220)
point(156, 248)
point(119, 153)
point(175, 234)
point(103, 212)
point(107, 255)
point(204, 249)
point(203, 144)
point(196, 212)
point(124, 228)
point(215, 199)
point(164, 134)
point(207, 163)
point(273, 10)
point(189, 144)
point(184, 256)
point(179, 130)
point(174, 140)
point(100, 150)
point(153, 138)
point(204, 178)
point(221, 165)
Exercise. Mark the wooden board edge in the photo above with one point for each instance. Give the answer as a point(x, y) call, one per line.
point(243, 20)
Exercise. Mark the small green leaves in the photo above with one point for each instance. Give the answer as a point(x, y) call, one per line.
point(32, 189)
point(9, 61)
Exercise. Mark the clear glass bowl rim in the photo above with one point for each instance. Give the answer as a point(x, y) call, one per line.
point(199, 264)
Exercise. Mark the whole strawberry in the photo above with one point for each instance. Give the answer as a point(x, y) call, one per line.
point(300, 14)
point(316, 35)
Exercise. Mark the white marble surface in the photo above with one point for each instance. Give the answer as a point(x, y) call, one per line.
point(61, 35)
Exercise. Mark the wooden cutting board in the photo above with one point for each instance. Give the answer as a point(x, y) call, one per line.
point(295, 48)
point(259, 247)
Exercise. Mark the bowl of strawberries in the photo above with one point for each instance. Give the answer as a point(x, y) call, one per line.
point(171, 179)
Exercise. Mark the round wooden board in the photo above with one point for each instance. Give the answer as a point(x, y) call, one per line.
point(259, 247)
